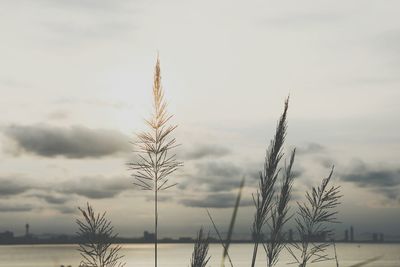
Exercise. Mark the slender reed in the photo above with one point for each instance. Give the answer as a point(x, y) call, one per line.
point(279, 216)
point(314, 218)
point(155, 162)
point(232, 223)
point(263, 198)
point(219, 237)
point(336, 256)
point(97, 240)
point(200, 251)
point(226, 244)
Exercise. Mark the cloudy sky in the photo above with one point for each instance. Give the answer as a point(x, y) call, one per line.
point(75, 83)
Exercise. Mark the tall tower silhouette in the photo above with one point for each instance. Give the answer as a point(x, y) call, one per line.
point(27, 229)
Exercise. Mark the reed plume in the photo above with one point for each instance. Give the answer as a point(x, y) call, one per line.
point(279, 216)
point(263, 198)
point(97, 240)
point(314, 219)
point(200, 256)
point(153, 147)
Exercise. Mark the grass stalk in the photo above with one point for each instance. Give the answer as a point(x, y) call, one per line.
point(219, 237)
point(314, 217)
point(200, 256)
point(264, 196)
point(279, 216)
point(232, 224)
point(153, 147)
point(97, 240)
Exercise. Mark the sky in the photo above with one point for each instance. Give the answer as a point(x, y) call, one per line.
point(75, 84)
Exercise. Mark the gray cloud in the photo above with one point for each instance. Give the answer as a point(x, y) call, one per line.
point(73, 142)
point(15, 208)
point(220, 200)
point(374, 178)
point(214, 177)
point(220, 169)
point(51, 198)
point(66, 209)
point(206, 150)
point(12, 186)
point(95, 187)
point(59, 193)
point(383, 180)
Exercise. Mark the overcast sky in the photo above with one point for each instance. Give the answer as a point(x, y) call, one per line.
point(75, 83)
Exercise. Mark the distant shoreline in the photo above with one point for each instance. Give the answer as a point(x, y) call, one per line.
point(128, 241)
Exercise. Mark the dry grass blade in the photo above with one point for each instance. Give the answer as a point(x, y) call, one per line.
point(279, 216)
point(200, 251)
point(97, 240)
point(336, 256)
point(264, 195)
point(219, 237)
point(313, 221)
point(232, 223)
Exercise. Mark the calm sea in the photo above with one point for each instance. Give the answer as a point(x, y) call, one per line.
point(177, 255)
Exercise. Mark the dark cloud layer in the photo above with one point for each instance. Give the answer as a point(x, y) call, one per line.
point(219, 200)
point(95, 187)
point(73, 142)
point(214, 177)
point(383, 180)
point(15, 208)
point(66, 209)
point(206, 150)
point(12, 186)
point(221, 169)
point(374, 178)
point(51, 198)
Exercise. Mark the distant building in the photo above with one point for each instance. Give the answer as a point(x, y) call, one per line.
point(346, 235)
point(6, 237)
point(148, 237)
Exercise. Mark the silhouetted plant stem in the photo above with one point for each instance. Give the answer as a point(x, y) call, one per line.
point(232, 224)
point(219, 237)
point(155, 164)
point(313, 219)
point(265, 192)
point(279, 216)
point(336, 257)
point(96, 240)
point(155, 227)
point(200, 251)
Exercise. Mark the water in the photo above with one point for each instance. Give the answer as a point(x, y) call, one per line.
point(179, 255)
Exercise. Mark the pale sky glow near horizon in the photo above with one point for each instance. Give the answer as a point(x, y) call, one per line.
point(75, 84)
